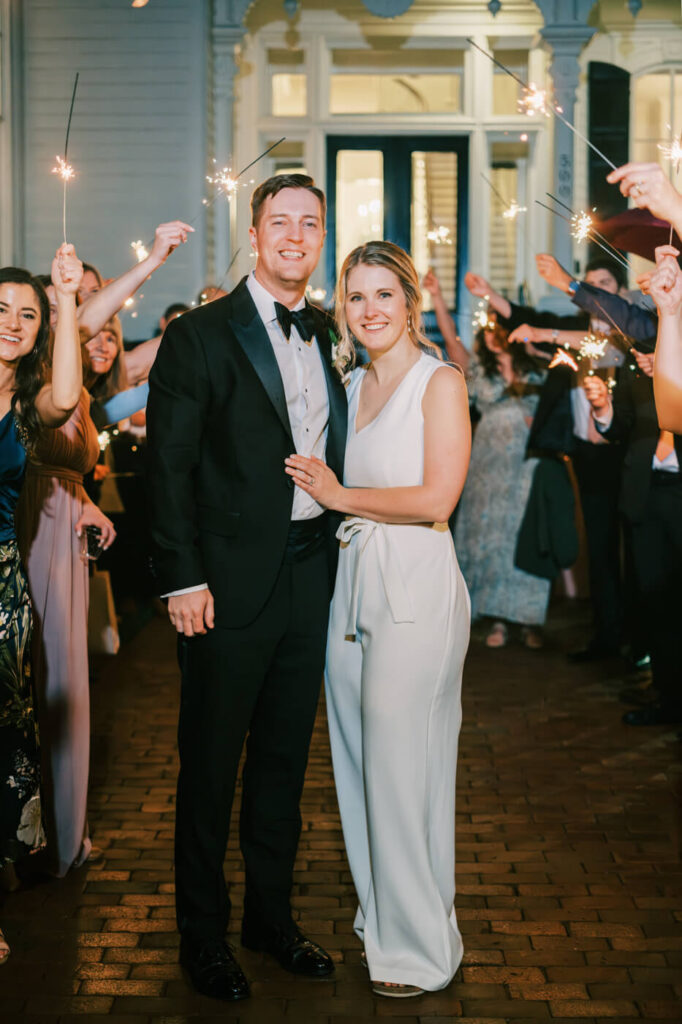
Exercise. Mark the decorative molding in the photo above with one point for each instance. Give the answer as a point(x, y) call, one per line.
point(387, 8)
point(230, 12)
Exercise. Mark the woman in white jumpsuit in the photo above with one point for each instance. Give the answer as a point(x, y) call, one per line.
point(399, 625)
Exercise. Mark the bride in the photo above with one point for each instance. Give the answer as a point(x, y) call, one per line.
point(399, 625)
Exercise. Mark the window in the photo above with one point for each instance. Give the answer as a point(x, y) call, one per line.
point(359, 199)
point(507, 184)
point(396, 82)
point(434, 220)
point(507, 92)
point(657, 114)
point(289, 83)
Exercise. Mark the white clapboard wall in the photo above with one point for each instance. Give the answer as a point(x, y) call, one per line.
point(138, 137)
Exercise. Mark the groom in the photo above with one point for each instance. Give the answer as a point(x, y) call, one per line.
point(247, 562)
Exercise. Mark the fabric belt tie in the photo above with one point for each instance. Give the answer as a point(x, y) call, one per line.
point(392, 577)
point(38, 469)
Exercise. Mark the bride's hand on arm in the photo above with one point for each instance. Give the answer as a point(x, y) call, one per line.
point(315, 478)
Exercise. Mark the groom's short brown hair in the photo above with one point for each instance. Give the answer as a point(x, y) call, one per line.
point(271, 186)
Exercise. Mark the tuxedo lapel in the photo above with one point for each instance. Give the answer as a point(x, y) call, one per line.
point(338, 406)
point(252, 336)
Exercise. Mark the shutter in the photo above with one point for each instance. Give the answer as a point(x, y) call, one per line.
point(609, 130)
point(137, 137)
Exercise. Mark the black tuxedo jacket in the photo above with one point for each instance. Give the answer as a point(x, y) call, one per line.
point(218, 433)
point(635, 425)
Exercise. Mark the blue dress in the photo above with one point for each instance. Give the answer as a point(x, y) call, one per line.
point(21, 829)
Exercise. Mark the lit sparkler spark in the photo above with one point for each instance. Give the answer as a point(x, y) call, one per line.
point(481, 320)
point(534, 101)
point(130, 301)
point(226, 184)
point(64, 170)
point(104, 440)
point(563, 358)
point(581, 225)
point(140, 250)
point(593, 347)
point(440, 235)
point(513, 210)
point(672, 151)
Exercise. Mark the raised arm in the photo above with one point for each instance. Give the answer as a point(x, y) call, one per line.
point(665, 288)
point(99, 307)
point(525, 333)
point(456, 351)
point(447, 447)
point(482, 289)
point(57, 400)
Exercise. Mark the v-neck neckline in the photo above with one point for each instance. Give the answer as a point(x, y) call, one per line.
point(386, 403)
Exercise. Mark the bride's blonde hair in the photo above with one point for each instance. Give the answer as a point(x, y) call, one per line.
point(395, 259)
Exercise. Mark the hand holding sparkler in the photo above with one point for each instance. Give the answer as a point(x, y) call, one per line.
point(166, 239)
point(665, 283)
point(650, 188)
point(67, 271)
point(553, 273)
point(597, 394)
point(645, 361)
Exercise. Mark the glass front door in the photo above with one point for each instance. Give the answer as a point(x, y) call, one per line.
point(407, 191)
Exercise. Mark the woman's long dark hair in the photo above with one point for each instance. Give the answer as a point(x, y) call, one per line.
point(31, 368)
point(522, 363)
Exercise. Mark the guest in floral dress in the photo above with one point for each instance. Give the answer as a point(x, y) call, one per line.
point(504, 386)
point(28, 403)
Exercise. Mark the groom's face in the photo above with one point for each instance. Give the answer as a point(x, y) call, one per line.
point(288, 238)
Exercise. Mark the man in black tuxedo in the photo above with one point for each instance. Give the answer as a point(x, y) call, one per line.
point(651, 503)
point(247, 563)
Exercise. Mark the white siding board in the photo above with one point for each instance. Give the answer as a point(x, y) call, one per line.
point(138, 138)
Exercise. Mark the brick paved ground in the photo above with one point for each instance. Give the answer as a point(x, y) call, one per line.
point(568, 868)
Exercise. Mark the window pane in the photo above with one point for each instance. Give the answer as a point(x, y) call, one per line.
point(359, 199)
point(289, 95)
point(434, 219)
point(652, 115)
point(507, 174)
point(394, 94)
point(507, 92)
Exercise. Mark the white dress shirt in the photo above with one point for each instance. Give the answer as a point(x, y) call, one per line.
point(670, 464)
point(305, 390)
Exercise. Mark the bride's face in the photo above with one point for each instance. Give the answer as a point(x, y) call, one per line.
point(376, 311)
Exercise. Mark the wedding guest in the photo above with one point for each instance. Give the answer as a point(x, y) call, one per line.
point(651, 501)
point(504, 386)
point(54, 511)
point(29, 404)
point(399, 625)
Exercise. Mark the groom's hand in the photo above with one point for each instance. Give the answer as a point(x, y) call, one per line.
point(192, 614)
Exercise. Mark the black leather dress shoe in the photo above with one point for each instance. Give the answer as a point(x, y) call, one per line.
point(213, 969)
point(653, 714)
point(293, 951)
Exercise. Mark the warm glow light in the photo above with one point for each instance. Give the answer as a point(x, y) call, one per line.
point(534, 101)
point(481, 320)
point(140, 250)
point(593, 347)
point(64, 170)
point(581, 225)
point(139, 3)
point(563, 358)
point(440, 235)
point(672, 151)
point(226, 184)
point(513, 210)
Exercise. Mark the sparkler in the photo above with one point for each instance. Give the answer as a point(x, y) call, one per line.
point(140, 250)
point(593, 347)
point(512, 207)
point(534, 101)
point(481, 320)
point(63, 168)
point(613, 253)
point(581, 226)
point(209, 298)
point(532, 97)
point(563, 358)
point(513, 210)
point(673, 153)
point(227, 184)
point(440, 235)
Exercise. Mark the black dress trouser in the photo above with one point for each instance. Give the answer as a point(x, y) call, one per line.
point(598, 471)
point(657, 553)
point(264, 680)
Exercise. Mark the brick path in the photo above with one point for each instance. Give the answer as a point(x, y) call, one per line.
point(568, 870)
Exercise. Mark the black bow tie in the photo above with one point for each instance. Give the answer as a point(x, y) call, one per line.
point(302, 319)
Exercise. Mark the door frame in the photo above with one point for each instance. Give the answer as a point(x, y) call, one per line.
point(397, 179)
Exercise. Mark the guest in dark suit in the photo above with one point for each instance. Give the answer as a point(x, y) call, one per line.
point(651, 502)
point(248, 564)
